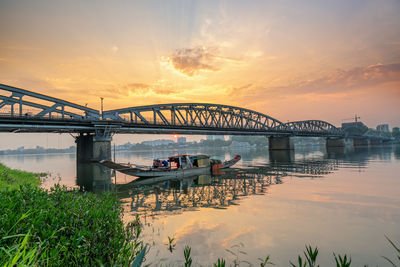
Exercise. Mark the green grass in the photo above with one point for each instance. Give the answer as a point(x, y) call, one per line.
point(62, 227)
point(13, 179)
point(65, 228)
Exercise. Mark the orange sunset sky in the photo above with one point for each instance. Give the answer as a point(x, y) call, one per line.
point(292, 60)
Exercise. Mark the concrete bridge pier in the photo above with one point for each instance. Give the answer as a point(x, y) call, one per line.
point(93, 177)
point(281, 156)
point(280, 143)
point(335, 142)
point(92, 148)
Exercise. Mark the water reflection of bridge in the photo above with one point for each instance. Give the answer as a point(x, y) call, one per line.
point(161, 195)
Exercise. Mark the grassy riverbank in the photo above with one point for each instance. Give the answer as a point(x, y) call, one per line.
point(61, 227)
point(65, 228)
point(12, 179)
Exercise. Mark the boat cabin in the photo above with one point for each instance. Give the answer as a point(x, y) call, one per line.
point(200, 160)
point(186, 161)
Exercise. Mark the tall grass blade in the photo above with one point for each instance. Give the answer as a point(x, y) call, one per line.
point(393, 245)
point(390, 261)
point(139, 258)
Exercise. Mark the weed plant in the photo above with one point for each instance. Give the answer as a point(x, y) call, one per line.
point(397, 249)
point(64, 228)
point(12, 179)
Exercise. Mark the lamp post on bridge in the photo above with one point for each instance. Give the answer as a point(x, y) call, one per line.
point(102, 116)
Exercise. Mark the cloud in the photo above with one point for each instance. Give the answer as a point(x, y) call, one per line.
point(339, 82)
point(191, 61)
point(345, 80)
point(158, 88)
point(115, 49)
point(137, 87)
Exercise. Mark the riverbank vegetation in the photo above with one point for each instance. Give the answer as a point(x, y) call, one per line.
point(63, 228)
point(308, 259)
point(12, 179)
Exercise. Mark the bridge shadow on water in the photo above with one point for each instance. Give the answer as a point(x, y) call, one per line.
point(159, 196)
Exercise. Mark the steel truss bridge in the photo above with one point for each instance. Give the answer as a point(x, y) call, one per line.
point(26, 111)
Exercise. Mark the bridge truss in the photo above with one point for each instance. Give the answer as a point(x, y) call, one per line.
point(311, 127)
point(20, 103)
point(197, 115)
point(26, 111)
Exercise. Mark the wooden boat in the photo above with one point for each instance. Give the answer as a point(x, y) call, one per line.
point(175, 167)
point(230, 163)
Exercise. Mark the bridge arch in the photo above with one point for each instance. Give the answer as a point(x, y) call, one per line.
point(312, 127)
point(198, 115)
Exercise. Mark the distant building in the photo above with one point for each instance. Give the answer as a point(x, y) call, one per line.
point(356, 128)
point(158, 142)
point(357, 124)
point(215, 137)
point(382, 128)
point(396, 132)
point(181, 140)
point(239, 144)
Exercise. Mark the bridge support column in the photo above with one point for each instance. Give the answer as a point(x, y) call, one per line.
point(361, 142)
point(93, 177)
point(280, 143)
point(91, 148)
point(335, 142)
point(281, 156)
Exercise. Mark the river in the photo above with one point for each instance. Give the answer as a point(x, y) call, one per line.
point(343, 201)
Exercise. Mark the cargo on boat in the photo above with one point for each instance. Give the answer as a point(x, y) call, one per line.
point(175, 166)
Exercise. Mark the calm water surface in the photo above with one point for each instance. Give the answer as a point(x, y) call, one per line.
point(270, 204)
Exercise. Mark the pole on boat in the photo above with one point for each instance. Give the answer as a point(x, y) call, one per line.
point(115, 173)
point(114, 152)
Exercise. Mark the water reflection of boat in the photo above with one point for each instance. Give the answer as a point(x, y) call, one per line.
point(175, 167)
point(160, 195)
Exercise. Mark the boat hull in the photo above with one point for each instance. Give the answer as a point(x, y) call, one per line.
point(176, 173)
point(167, 172)
point(231, 162)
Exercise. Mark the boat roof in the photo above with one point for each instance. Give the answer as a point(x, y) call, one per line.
point(191, 156)
point(200, 157)
point(177, 156)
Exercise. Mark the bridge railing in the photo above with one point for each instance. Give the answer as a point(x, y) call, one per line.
point(25, 114)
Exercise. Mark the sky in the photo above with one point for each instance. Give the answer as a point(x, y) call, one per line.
point(292, 60)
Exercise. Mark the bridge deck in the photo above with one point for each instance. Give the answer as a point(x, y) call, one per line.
point(37, 125)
